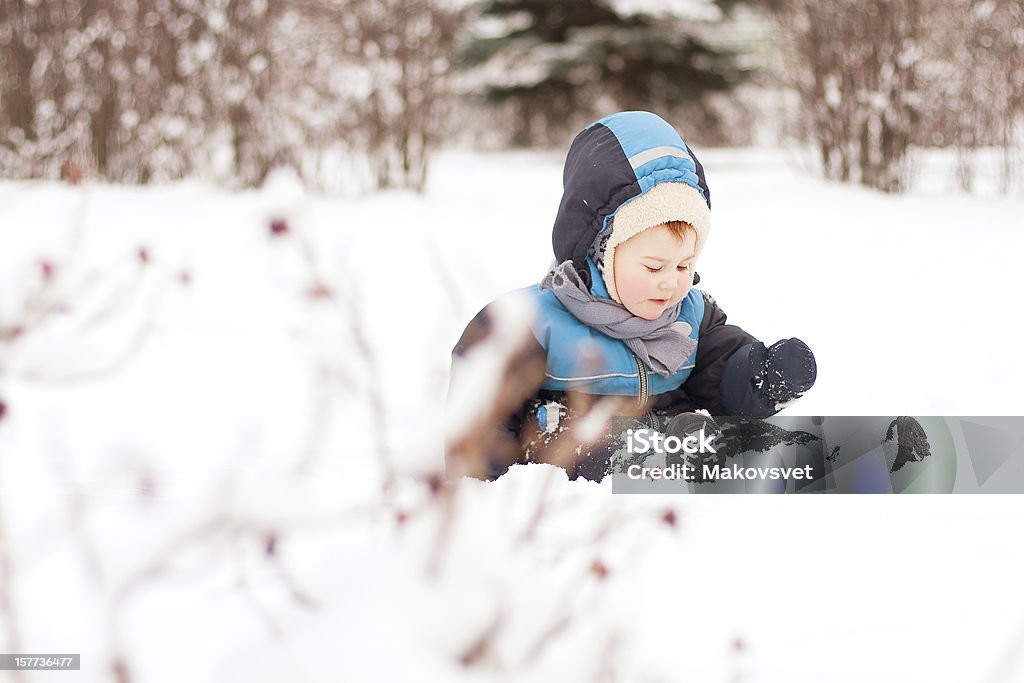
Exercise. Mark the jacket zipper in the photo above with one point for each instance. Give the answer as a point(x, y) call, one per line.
point(644, 388)
point(645, 391)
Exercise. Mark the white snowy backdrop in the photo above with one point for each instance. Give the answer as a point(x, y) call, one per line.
point(221, 441)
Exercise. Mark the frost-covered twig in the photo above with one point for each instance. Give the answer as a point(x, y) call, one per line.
point(444, 495)
point(349, 307)
point(42, 301)
point(606, 672)
point(51, 296)
point(249, 595)
point(487, 382)
point(8, 611)
point(318, 422)
point(481, 647)
point(131, 350)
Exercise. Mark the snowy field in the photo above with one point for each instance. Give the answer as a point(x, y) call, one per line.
point(201, 413)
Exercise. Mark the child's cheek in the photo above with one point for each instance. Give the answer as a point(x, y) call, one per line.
point(684, 285)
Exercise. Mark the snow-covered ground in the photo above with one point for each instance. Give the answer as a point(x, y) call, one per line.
point(200, 414)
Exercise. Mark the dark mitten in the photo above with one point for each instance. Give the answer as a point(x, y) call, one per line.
point(758, 380)
point(789, 370)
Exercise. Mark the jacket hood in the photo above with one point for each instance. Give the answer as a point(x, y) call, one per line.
point(616, 162)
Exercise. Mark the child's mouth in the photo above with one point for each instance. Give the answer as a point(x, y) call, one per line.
point(660, 302)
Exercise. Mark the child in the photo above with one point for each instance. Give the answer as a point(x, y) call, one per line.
point(618, 315)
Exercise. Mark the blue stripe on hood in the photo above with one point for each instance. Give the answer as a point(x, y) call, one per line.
point(641, 131)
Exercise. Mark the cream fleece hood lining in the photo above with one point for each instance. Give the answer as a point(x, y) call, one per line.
point(668, 201)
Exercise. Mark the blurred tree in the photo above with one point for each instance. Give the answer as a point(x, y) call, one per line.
point(557, 65)
point(401, 51)
point(975, 78)
point(876, 78)
point(238, 83)
point(855, 67)
point(116, 87)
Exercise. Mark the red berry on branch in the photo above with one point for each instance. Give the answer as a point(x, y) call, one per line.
point(318, 291)
point(3, 409)
point(143, 255)
point(669, 517)
point(47, 269)
point(278, 226)
point(599, 569)
point(436, 483)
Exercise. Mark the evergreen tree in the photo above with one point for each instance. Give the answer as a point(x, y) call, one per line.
point(555, 64)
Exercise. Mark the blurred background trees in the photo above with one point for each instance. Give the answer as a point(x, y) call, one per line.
point(855, 67)
point(140, 91)
point(148, 90)
point(136, 91)
point(877, 78)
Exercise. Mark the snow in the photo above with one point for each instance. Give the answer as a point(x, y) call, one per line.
point(692, 10)
point(221, 463)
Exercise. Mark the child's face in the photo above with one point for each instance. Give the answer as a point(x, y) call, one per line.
point(654, 270)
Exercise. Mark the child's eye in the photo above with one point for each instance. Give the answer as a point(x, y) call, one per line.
point(653, 270)
point(684, 268)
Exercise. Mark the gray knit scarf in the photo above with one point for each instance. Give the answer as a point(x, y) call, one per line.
point(662, 344)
